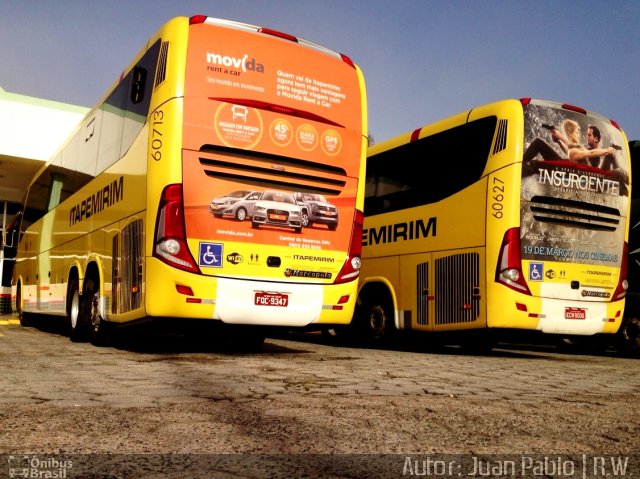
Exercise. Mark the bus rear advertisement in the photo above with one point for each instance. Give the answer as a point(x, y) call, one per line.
point(574, 217)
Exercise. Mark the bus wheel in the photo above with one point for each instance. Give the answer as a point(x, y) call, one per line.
point(77, 327)
point(91, 313)
point(24, 318)
point(374, 318)
point(629, 335)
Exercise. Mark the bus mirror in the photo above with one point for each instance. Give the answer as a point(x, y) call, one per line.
point(10, 234)
point(9, 238)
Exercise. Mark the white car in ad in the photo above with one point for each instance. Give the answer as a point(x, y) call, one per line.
point(277, 208)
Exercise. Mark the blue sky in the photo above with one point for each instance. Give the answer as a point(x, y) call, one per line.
point(423, 60)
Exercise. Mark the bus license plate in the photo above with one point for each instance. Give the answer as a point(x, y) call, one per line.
point(271, 299)
point(575, 313)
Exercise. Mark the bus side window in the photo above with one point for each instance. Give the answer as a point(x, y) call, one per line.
point(373, 205)
point(459, 157)
point(451, 160)
point(138, 84)
point(139, 99)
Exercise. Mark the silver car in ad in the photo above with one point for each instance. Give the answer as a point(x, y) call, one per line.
point(277, 208)
point(237, 204)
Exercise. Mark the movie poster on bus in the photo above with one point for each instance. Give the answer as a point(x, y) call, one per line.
point(575, 187)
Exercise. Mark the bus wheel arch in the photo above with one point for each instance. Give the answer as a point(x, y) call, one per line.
point(374, 314)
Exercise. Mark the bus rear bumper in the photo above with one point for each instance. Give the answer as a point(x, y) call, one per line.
point(553, 316)
point(240, 301)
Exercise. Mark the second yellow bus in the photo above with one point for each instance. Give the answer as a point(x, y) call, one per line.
point(509, 216)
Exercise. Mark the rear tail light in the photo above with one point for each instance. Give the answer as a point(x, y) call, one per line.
point(351, 268)
point(577, 109)
point(509, 268)
point(276, 33)
point(623, 284)
point(170, 241)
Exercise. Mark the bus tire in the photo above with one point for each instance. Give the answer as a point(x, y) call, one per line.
point(25, 321)
point(628, 337)
point(98, 327)
point(24, 317)
point(76, 325)
point(374, 317)
point(91, 314)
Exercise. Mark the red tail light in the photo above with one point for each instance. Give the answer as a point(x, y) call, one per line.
point(194, 20)
point(170, 241)
point(623, 284)
point(276, 33)
point(347, 60)
point(351, 268)
point(577, 109)
point(509, 268)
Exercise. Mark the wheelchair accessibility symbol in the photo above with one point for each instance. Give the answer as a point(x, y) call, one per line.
point(535, 271)
point(210, 255)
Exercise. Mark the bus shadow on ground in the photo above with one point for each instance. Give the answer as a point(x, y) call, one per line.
point(507, 345)
point(164, 339)
point(151, 338)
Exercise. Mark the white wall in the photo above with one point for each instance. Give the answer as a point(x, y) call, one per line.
point(33, 128)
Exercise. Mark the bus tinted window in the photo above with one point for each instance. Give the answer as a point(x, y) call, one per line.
point(452, 160)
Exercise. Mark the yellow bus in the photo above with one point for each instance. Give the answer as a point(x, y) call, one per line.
point(180, 194)
point(497, 219)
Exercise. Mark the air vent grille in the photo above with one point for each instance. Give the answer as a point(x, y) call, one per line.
point(574, 213)
point(161, 69)
point(501, 137)
point(272, 171)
